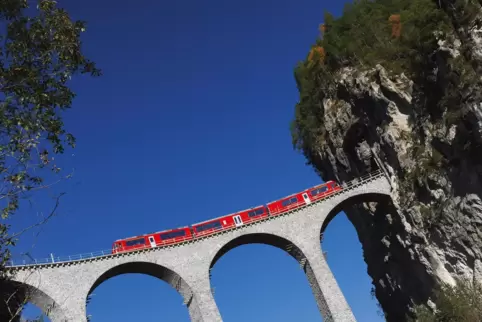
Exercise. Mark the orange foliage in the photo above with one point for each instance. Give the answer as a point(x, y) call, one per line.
point(319, 50)
point(396, 25)
point(323, 29)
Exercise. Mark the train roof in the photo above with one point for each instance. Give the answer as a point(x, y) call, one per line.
point(227, 215)
point(321, 184)
point(296, 193)
point(291, 195)
point(156, 232)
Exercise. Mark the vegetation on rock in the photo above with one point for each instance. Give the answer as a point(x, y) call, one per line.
point(460, 303)
point(39, 53)
point(363, 37)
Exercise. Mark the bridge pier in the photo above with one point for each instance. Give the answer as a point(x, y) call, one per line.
point(329, 298)
point(64, 316)
point(202, 307)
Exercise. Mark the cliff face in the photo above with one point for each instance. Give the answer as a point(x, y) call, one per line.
point(430, 144)
point(433, 233)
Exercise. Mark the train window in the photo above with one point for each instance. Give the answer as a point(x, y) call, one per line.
point(254, 213)
point(319, 190)
point(173, 234)
point(289, 201)
point(134, 242)
point(209, 225)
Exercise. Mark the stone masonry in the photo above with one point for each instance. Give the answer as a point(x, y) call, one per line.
point(60, 289)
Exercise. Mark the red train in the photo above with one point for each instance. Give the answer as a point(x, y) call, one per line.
point(179, 235)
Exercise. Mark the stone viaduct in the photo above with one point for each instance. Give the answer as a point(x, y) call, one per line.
point(60, 289)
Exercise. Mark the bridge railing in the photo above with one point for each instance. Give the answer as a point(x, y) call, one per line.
point(59, 259)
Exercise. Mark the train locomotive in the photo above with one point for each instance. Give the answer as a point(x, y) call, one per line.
point(211, 226)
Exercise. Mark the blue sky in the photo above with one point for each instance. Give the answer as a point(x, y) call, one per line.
point(191, 121)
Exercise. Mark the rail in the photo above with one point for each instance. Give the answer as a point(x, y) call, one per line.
point(108, 252)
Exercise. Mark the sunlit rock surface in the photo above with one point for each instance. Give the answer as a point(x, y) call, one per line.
point(431, 234)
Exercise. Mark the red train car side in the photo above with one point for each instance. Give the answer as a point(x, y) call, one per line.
point(166, 237)
point(302, 198)
point(174, 236)
point(323, 190)
point(229, 221)
point(288, 203)
point(129, 244)
point(210, 226)
point(250, 215)
point(335, 186)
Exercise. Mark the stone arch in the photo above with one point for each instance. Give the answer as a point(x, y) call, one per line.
point(23, 291)
point(351, 201)
point(308, 263)
point(290, 247)
point(373, 241)
point(152, 269)
point(259, 238)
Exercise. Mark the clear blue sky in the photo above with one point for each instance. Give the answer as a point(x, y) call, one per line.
point(191, 121)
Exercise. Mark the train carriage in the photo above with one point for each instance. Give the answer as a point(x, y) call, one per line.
point(237, 219)
point(213, 225)
point(250, 215)
point(129, 244)
point(230, 221)
point(156, 239)
point(288, 203)
point(174, 236)
point(323, 190)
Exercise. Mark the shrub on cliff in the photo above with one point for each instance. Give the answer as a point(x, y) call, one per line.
point(462, 303)
point(363, 35)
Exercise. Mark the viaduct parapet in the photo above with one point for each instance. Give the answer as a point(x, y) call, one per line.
point(60, 289)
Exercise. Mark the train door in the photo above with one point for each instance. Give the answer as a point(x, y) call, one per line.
point(306, 198)
point(152, 241)
point(237, 220)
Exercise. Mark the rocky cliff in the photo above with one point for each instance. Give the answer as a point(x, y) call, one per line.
point(425, 125)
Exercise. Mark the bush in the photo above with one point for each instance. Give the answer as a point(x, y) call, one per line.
point(462, 303)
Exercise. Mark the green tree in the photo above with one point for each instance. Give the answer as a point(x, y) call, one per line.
point(40, 50)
